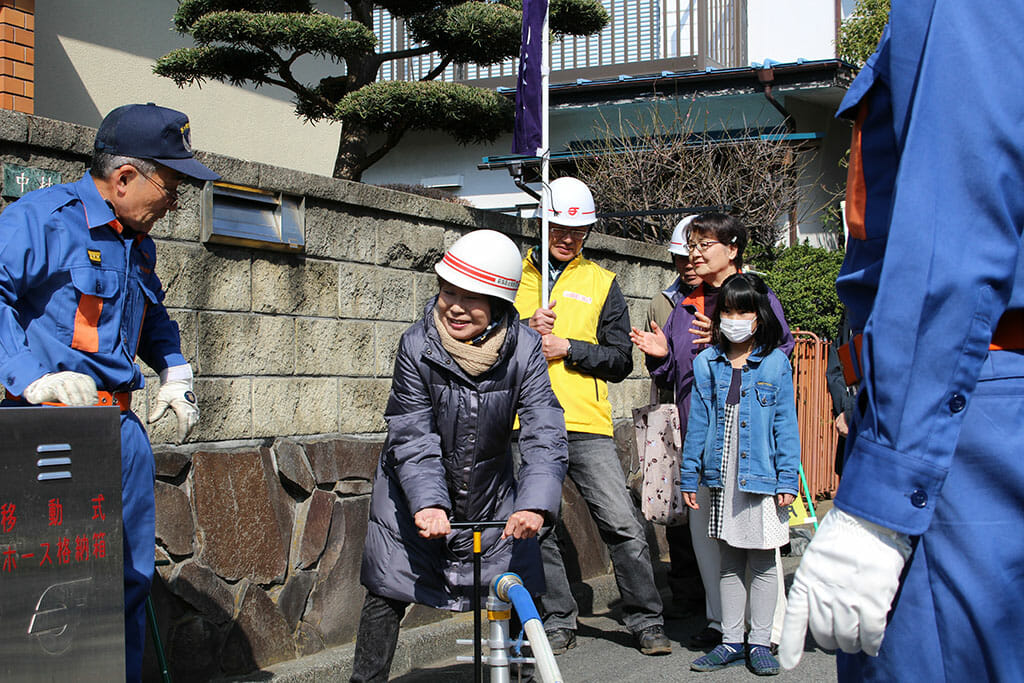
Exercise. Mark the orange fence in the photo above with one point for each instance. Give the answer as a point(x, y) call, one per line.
point(814, 414)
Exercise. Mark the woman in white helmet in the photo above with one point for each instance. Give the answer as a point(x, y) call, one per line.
point(462, 374)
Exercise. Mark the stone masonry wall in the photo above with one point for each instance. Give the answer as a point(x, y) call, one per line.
point(261, 514)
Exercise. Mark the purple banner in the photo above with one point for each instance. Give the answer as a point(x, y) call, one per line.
point(527, 134)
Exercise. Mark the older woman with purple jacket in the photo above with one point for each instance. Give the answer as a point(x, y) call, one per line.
point(716, 243)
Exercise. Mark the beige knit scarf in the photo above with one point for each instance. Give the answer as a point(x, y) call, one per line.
point(474, 359)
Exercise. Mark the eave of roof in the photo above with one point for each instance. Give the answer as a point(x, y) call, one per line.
point(788, 76)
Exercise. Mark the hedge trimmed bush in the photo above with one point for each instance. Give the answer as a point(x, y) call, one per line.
point(804, 279)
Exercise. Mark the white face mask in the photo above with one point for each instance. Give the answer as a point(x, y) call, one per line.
point(736, 330)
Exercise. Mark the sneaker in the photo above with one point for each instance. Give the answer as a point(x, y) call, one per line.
point(561, 640)
point(722, 656)
point(761, 662)
point(707, 638)
point(653, 641)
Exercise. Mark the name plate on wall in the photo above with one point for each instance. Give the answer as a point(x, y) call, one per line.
point(20, 180)
point(61, 577)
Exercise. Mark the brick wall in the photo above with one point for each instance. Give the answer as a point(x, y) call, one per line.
point(17, 55)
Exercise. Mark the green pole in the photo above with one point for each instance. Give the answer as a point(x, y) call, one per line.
point(157, 645)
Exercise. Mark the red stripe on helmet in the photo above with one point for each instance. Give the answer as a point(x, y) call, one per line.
point(475, 273)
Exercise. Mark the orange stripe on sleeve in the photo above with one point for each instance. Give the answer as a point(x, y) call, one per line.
point(856, 188)
point(87, 319)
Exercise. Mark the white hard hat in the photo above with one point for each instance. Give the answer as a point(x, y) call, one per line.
point(680, 235)
point(571, 203)
point(485, 262)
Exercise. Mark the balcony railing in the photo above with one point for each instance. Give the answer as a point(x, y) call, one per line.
point(643, 36)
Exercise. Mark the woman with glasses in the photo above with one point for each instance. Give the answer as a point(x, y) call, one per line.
point(715, 242)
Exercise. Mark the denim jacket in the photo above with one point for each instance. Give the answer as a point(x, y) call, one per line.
point(769, 440)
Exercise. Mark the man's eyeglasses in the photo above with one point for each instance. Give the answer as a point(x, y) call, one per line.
point(170, 195)
point(701, 246)
point(558, 233)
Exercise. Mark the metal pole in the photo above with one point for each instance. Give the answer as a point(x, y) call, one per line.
point(478, 646)
point(545, 158)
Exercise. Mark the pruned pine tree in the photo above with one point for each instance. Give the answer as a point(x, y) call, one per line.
point(258, 42)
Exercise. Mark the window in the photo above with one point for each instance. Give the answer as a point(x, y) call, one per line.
point(248, 216)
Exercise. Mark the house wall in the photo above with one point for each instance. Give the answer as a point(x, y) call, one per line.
point(93, 57)
point(788, 30)
point(261, 515)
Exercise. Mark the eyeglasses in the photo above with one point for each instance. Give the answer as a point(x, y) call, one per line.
point(701, 246)
point(170, 195)
point(558, 233)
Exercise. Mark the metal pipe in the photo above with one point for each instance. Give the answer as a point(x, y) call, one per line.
point(509, 587)
point(766, 76)
point(498, 613)
point(478, 648)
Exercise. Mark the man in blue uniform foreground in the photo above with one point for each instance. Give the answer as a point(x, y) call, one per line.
point(79, 299)
point(927, 518)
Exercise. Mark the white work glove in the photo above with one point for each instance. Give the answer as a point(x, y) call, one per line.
point(176, 393)
point(69, 388)
point(846, 582)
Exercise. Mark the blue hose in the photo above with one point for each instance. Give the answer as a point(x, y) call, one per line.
point(517, 595)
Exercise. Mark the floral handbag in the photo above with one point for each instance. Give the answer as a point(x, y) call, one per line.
point(659, 447)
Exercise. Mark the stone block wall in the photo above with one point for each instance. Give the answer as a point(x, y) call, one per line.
point(261, 514)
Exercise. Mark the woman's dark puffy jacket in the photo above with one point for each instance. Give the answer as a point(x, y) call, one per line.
point(448, 447)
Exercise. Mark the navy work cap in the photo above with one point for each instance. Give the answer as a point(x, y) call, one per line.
point(147, 131)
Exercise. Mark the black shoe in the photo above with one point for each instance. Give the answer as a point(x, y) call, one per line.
point(561, 640)
point(707, 638)
point(653, 641)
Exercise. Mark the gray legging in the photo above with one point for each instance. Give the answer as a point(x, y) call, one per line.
point(763, 593)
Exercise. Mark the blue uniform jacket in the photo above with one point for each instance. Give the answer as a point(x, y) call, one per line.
point(936, 260)
point(769, 444)
point(78, 294)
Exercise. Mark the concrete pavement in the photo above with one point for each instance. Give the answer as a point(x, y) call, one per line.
point(604, 652)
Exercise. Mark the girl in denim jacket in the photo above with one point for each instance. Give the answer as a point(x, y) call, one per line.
point(742, 442)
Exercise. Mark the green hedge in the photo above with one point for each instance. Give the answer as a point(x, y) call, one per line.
point(804, 279)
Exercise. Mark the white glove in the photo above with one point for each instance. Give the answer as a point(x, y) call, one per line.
point(69, 388)
point(846, 582)
point(176, 393)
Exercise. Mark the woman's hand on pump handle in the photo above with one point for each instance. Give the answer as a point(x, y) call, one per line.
point(523, 524)
point(432, 523)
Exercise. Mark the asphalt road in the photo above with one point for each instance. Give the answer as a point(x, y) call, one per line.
point(605, 652)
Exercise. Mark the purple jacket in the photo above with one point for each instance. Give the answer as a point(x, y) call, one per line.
point(675, 370)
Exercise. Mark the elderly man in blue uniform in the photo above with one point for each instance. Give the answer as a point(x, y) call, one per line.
point(79, 299)
point(927, 518)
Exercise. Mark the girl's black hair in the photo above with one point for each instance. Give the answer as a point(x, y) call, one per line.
point(745, 293)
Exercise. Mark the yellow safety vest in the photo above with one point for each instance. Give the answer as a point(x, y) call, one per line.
point(579, 295)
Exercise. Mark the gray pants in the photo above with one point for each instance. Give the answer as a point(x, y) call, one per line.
point(763, 593)
point(595, 468)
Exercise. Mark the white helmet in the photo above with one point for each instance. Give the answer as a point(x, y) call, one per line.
point(679, 237)
point(485, 262)
point(572, 204)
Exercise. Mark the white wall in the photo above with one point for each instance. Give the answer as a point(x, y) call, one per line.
point(787, 30)
point(93, 57)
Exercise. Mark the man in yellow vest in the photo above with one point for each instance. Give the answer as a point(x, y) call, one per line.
point(585, 330)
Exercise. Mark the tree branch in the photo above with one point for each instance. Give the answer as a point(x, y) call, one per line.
point(438, 70)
